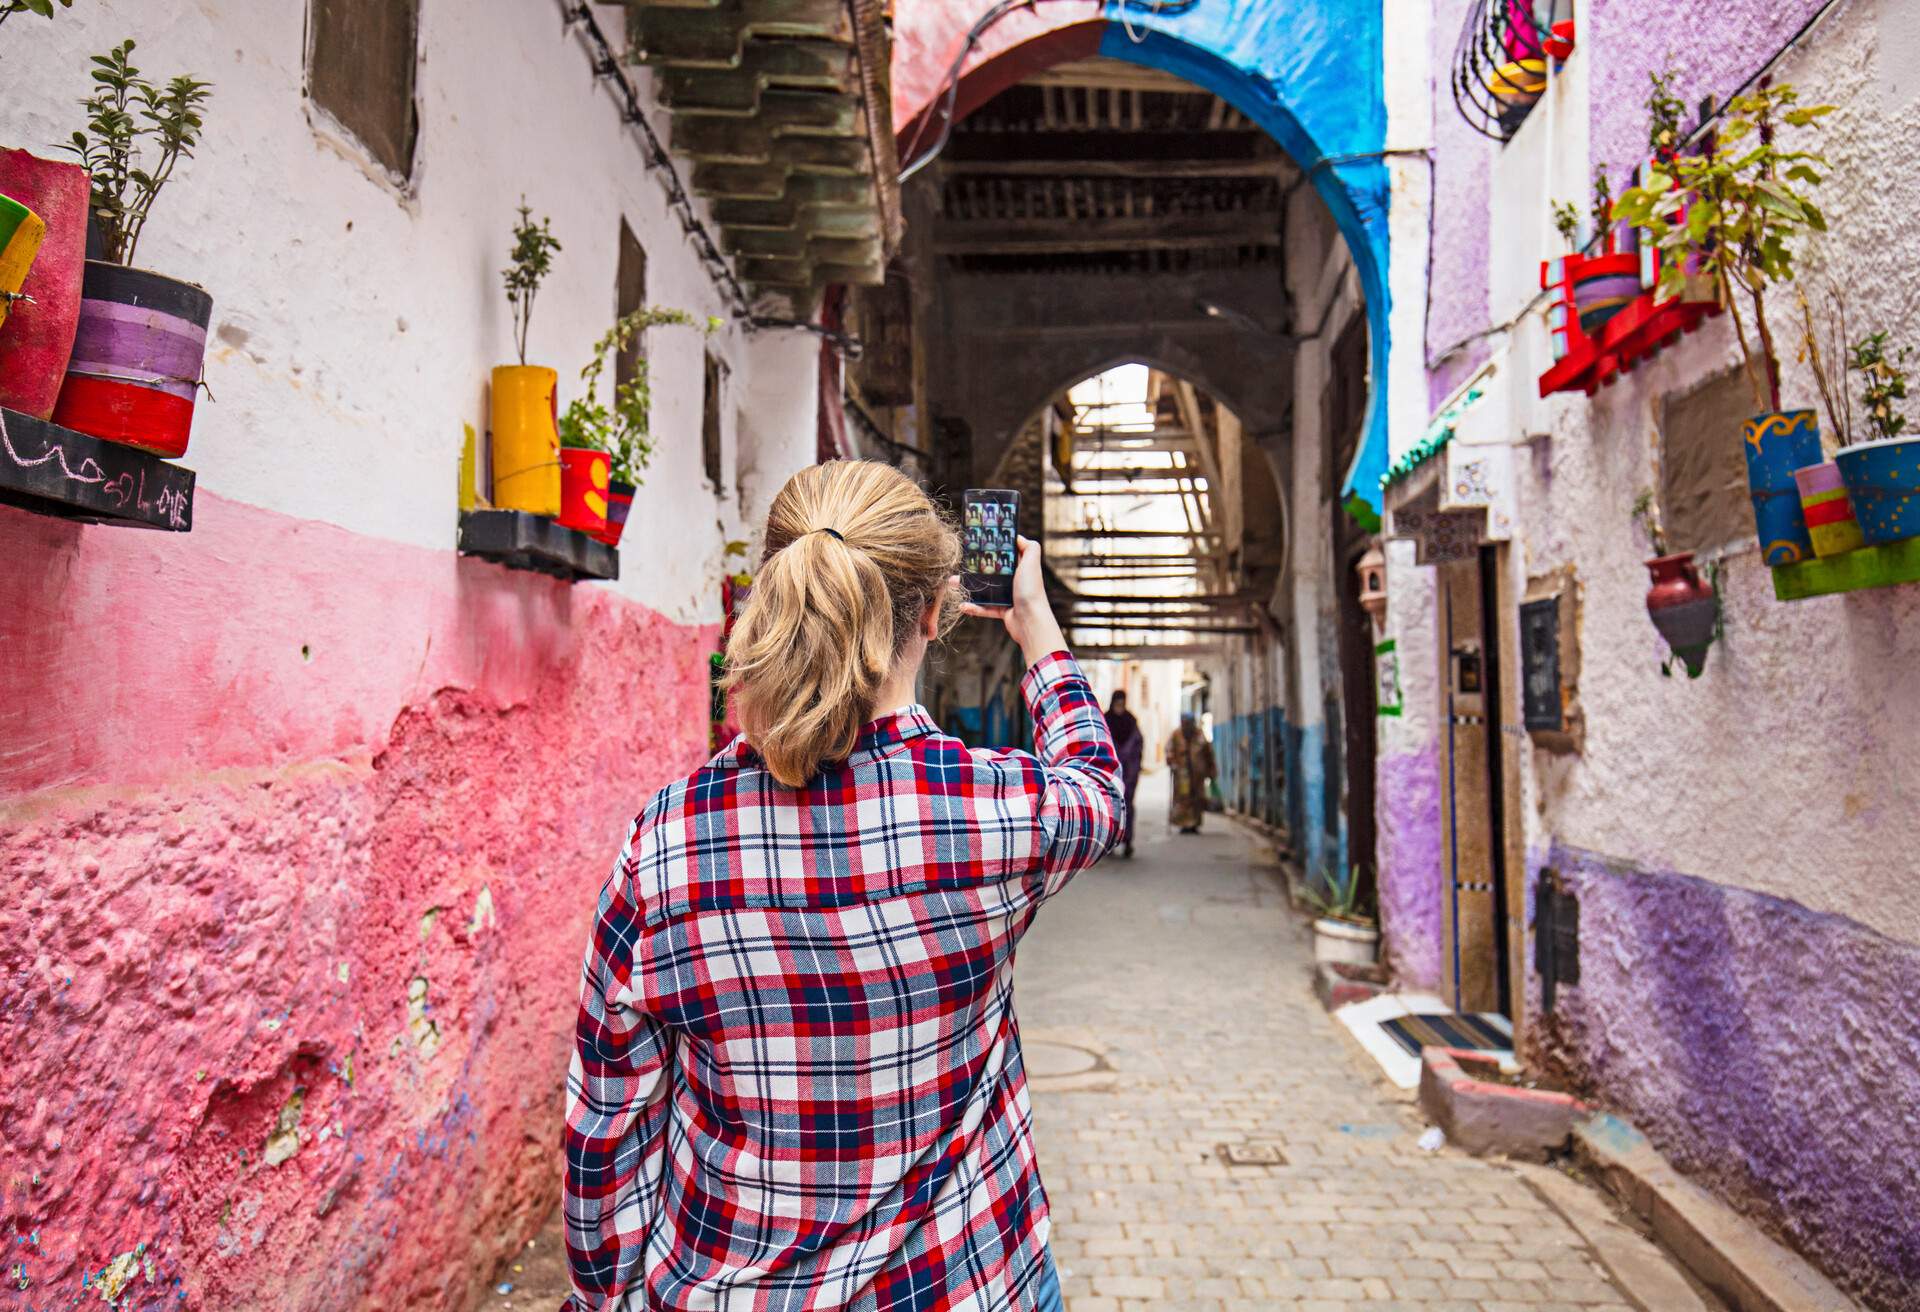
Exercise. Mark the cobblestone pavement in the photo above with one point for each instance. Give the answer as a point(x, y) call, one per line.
point(1166, 1010)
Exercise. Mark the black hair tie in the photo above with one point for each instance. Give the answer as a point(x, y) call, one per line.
point(832, 531)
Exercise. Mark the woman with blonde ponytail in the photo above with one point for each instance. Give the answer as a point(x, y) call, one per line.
point(796, 1079)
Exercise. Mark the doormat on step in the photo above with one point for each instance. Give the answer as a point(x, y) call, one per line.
point(1481, 1032)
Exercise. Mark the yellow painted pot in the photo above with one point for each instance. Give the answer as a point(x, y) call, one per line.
point(21, 231)
point(526, 438)
point(1518, 82)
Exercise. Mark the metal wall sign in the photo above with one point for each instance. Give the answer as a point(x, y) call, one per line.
point(1540, 664)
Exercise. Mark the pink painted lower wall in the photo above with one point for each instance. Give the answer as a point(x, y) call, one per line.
point(289, 944)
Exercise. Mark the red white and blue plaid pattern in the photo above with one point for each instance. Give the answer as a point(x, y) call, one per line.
point(796, 1079)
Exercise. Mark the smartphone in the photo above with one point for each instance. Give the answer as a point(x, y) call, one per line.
point(989, 515)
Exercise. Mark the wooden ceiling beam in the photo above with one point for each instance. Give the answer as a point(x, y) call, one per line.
point(1278, 166)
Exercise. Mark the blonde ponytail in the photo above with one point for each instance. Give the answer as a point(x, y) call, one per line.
point(855, 552)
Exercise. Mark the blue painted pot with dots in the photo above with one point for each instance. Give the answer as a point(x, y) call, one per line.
point(1883, 482)
point(1777, 444)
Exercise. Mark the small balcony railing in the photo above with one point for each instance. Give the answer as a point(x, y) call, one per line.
point(1500, 62)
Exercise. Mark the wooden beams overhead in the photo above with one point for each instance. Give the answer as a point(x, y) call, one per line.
point(783, 107)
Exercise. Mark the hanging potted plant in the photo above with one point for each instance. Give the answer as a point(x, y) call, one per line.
point(1882, 473)
point(1736, 210)
point(606, 447)
point(43, 251)
point(1607, 280)
point(141, 342)
point(524, 399)
point(1683, 606)
point(1831, 524)
point(1341, 931)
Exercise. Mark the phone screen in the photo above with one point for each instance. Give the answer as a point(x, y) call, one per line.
point(991, 515)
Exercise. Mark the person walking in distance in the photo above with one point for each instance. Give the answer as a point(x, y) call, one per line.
point(1190, 761)
point(1127, 740)
point(796, 1078)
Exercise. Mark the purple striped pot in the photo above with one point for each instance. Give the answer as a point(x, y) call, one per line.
point(137, 358)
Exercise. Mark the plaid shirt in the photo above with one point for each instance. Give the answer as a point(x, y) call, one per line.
point(796, 1079)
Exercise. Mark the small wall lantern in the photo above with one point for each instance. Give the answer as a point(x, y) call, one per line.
point(1372, 570)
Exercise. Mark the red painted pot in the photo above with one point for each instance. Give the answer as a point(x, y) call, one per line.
point(136, 359)
point(38, 336)
point(1683, 607)
point(584, 476)
point(619, 506)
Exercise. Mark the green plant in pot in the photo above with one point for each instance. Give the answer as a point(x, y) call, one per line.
point(523, 402)
point(614, 439)
point(1737, 210)
point(141, 340)
point(1882, 471)
point(1342, 930)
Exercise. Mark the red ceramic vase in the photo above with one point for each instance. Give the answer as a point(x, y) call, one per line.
point(1683, 607)
point(37, 339)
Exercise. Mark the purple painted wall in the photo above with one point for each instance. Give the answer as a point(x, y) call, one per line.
point(1769, 1051)
point(1410, 866)
point(1716, 45)
point(1457, 295)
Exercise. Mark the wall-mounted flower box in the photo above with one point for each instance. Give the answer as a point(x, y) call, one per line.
point(520, 540)
point(1588, 355)
point(1850, 571)
point(56, 471)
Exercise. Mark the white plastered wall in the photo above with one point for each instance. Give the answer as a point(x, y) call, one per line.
point(355, 327)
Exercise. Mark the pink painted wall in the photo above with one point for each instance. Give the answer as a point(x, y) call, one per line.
point(230, 873)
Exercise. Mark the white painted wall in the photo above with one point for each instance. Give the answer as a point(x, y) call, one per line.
point(355, 327)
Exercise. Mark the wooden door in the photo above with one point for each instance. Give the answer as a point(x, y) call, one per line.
point(1472, 920)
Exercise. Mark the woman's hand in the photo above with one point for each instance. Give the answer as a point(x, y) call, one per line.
point(1029, 621)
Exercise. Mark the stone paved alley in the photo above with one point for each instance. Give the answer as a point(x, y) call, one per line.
point(1166, 1011)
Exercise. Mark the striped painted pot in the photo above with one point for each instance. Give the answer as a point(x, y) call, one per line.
point(137, 358)
point(619, 506)
point(1823, 500)
point(21, 231)
point(1603, 286)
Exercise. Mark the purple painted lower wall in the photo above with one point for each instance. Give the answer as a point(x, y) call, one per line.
point(1770, 1051)
point(1409, 811)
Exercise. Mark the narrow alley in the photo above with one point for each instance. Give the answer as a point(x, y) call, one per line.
point(1459, 454)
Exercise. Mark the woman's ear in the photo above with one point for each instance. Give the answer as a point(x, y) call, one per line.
point(930, 621)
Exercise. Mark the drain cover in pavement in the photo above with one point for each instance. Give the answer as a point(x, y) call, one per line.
point(1250, 1154)
point(1051, 1060)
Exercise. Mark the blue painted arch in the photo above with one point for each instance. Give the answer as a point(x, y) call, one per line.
point(1312, 74)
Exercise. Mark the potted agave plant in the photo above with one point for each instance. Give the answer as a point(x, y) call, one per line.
point(141, 342)
point(43, 251)
point(1736, 211)
point(1342, 933)
point(606, 447)
point(1683, 606)
point(525, 398)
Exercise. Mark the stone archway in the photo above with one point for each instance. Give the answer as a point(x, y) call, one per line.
point(1313, 81)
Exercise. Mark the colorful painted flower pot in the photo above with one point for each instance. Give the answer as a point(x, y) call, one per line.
point(1776, 445)
point(619, 506)
point(1683, 607)
point(38, 338)
point(21, 232)
point(584, 475)
point(137, 359)
point(526, 438)
point(1883, 483)
point(1603, 286)
point(1829, 515)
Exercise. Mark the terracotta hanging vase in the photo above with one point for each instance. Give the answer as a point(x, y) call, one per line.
point(1684, 608)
